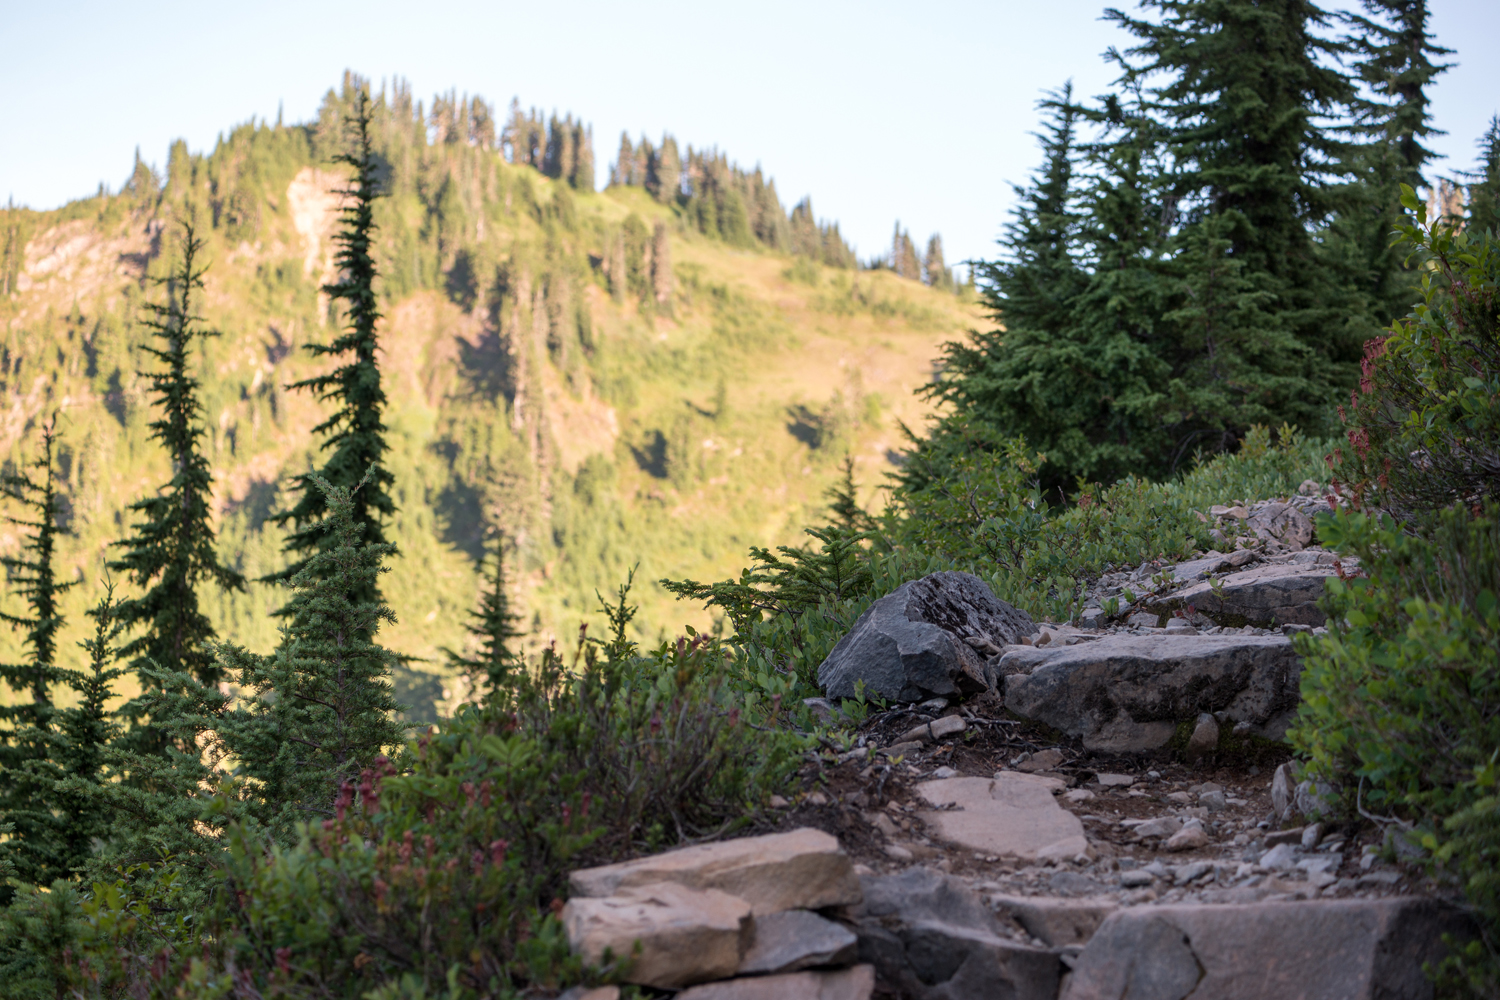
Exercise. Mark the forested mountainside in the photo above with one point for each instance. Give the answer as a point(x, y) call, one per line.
point(665, 372)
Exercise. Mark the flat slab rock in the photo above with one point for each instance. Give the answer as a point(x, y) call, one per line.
point(930, 637)
point(1009, 815)
point(1346, 949)
point(685, 935)
point(842, 984)
point(1129, 693)
point(1278, 594)
point(802, 869)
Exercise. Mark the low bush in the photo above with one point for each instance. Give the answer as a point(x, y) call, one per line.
point(439, 873)
point(1424, 425)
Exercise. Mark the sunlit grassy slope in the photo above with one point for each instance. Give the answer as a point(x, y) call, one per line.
point(671, 436)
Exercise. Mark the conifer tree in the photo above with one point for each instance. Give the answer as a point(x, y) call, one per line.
point(355, 433)
point(1073, 366)
point(935, 271)
point(1245, 86)
point(322, 707)
point(664, 174)
point(623, 172)
point(582, 177)
point(1395, 52)
point(661, 267)
point(81, 740)
point(1484, 189)
point(173, 549)
point(25, 746)
point(904, 260)
point(494, 626)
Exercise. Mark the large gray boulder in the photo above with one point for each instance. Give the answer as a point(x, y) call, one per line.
point(931, 937)
point(930, 637)
point(1129, 693)
point(1356, 949)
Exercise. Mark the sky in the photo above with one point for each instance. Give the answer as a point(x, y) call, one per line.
point(917, 112)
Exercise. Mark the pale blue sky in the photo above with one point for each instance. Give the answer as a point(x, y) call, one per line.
point(878, 110)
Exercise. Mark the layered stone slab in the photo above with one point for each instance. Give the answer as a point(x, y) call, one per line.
point(1129, 693)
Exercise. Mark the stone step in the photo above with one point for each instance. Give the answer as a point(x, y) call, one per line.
point(1127, 693)
point(1354, 949)
point(801, 870)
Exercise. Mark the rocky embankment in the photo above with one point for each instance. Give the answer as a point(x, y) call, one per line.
point(1053, 811)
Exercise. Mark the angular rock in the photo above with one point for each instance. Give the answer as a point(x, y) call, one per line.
point(1266, 595)
point(685, 935)
point(1115, 780)
point(1009, 815)
point(911, 644)
point(843, 984)
point(797, 939)
point(1283, 790)
point(1205, 738)
point(1058, 922)
point(930, 937)
point(803, 869)
point(1282, 523)
point(1161, 826)
point(1349, 949)
point(1129, 693)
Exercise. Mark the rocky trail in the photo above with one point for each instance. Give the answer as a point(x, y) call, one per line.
point(1102, 809)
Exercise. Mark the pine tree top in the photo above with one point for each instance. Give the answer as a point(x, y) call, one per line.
point(354, 434)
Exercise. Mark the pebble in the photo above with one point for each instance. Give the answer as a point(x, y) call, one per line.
point(1213, 801)
point(777, 802)
point(897, 853)
point(1078, 795)
point(1311, 834)
point(1136, 879)
point(816, 799)
point(1183, 874)
point(1115, 780)
point(945, 772)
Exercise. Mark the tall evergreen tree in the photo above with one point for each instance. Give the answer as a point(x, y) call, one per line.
point(319, 708)
point(1246, 86)
point(81, 740)
point(582, 177)
point(1484, 187)
point(664, 173)
point(355, 433)
point(494, 626)
point(904, 260)
point(934, 269)
point(173, 549)
point(623, 171)
point(1395, 55)
point(661, 268)
point(25, 746)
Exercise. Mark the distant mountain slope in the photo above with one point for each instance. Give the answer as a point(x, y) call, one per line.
point(592, 373)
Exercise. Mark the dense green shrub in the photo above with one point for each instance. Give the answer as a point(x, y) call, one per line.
point(436, 874)
point(1401, 700)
